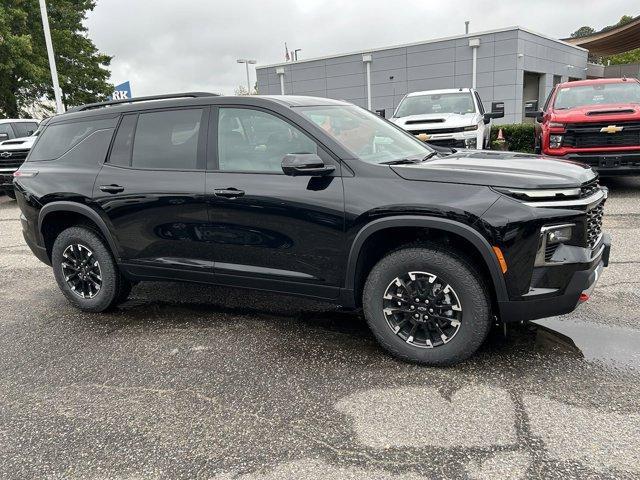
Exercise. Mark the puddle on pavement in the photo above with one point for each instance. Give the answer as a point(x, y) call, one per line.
point(616, 346)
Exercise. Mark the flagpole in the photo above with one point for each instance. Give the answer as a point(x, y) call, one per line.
point(52, 60)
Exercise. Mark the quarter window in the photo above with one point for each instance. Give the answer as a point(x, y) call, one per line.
point(58, 139)
point(167, 140)
point(121, 151)
point(255, 141)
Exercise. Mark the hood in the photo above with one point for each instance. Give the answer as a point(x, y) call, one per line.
point(598, 113)
point(18, 143)
point(499, 169)
point(436, 120)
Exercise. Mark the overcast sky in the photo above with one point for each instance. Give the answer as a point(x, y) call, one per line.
point(166, 46)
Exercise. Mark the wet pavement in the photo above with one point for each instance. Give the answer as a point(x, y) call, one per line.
point(189, 381)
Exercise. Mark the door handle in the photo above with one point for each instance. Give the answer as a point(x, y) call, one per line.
point(111, 188)
point(228, 192)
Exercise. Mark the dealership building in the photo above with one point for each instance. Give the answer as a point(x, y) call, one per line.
point(510, 65)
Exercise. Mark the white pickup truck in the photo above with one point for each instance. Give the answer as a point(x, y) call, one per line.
point(452, 118)
point(13, 152)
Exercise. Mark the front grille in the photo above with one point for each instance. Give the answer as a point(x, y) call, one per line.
point(12, 158)
point(589, 189)
point(594, 224)
point(449, 143)
point(433, 131)
point(589, 135)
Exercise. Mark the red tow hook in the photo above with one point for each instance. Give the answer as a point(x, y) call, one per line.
point(583, 297)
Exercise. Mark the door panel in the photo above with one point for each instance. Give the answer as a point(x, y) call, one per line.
point(157, 216)
point(270, 230)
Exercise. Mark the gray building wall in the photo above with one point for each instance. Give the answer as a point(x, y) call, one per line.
point(503, 57)
point(617, 71)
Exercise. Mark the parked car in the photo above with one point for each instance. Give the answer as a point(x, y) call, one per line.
point(596, 122)
point(312, 197)
point(15, 128)
point(12, 155)
point(453, 118)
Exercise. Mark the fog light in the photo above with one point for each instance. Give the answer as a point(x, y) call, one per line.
point(555, 141)
point(558, 235)
point(470, 142)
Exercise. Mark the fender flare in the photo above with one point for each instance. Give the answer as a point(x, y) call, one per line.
point(460, 229)
point(82, 209)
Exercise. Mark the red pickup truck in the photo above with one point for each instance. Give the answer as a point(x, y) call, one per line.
point(596, 122)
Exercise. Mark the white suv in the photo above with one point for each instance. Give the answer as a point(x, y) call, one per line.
point(453, 118)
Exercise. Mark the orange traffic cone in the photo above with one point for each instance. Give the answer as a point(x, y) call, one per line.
point(500, 136)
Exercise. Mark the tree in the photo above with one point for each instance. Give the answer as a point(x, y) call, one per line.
point(583, 32)
point(24, 67)
point(242, 90)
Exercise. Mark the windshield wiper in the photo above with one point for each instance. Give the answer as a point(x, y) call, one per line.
point(407, 161)
point(401, 161)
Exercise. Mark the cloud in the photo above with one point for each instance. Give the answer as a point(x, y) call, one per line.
point(165, 46)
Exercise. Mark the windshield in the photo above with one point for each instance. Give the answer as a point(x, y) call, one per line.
point(368, 136)
point(437, 103)
point(597, 94)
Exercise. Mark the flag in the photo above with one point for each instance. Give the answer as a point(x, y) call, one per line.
point(287, 57)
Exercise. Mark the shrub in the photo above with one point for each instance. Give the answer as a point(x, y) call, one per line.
point(519, 137)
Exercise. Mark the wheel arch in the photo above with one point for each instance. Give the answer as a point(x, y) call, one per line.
point(79, 210)
point(472, 236)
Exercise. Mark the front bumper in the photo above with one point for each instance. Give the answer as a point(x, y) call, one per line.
point(609, 163)
point(582, 281)
point(6, 180)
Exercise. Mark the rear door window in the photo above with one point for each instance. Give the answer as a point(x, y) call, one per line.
point(168, 139)
point(58, 139)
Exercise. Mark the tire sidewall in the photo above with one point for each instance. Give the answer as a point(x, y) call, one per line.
point(108, 269)
point(475, 320)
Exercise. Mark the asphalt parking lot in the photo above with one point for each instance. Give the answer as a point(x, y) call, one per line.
point(188, 381)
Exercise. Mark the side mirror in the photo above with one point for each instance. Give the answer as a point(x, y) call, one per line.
point(305, 164)
point(4, 136)
point(489, 115)
point(531, 110)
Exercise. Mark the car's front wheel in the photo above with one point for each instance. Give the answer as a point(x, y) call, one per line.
point(86, 271)
point(427, 305)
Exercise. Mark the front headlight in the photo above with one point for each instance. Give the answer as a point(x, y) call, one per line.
point(470, 128)
point(558, 234)
point(555, 141)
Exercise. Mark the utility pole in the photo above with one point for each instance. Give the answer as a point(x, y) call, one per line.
point(52, 59)
point(246, 64)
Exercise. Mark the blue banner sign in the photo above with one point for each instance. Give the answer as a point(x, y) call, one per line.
point(122, 91)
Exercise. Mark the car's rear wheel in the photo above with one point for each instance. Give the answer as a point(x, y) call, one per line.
point(427, 306)
point(86, 271)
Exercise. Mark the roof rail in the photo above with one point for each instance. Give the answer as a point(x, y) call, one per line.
point(91, 106)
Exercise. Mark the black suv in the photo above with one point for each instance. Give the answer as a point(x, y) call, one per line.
point(312, 197)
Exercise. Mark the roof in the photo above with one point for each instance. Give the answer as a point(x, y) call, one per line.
point(595, 81)
point(439, 92)
point(609, 42)
point(110, 109)
point(423, 42)
point(19, 120)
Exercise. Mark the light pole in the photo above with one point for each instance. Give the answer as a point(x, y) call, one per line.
point(52, 60)
point(246, 64)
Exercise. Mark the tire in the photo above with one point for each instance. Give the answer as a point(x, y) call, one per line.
point(466, 292)
point(11, 194)
point(112, 286)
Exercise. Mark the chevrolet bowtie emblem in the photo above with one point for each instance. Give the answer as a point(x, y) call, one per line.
point(5, 154)
point(423, 137)
point(611, 129)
